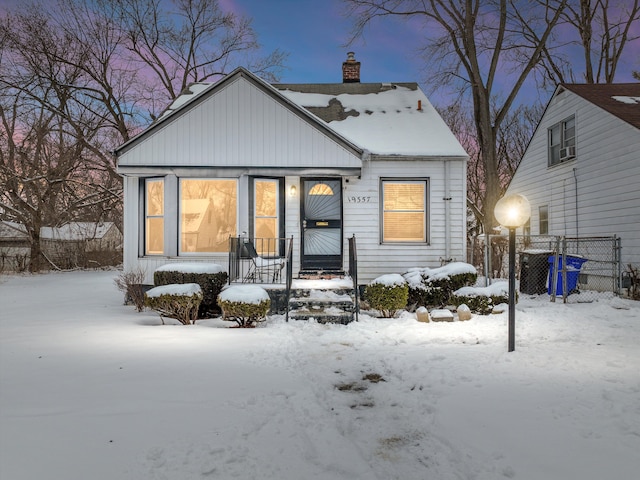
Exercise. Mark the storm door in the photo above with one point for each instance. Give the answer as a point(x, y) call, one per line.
point(321, 218)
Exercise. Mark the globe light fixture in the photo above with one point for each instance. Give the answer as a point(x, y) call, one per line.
point(512, 212)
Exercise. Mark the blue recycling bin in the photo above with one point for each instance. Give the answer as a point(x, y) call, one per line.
point(573, 272)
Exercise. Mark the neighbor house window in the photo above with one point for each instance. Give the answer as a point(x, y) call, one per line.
point(562, 141)
point(208, 214)
point(266, 206)
point(154, 217)
point(543, 218)
point(404, 210)
point(526, 229)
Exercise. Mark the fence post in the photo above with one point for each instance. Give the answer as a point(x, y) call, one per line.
point(487, 258)
point(554, 271)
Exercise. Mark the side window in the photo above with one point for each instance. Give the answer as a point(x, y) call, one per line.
point(154, 217)
point(543, 218)
point(562, 141)
point(404, 210)
point(208, 214)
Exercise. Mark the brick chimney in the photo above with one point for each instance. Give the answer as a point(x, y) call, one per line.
point(351, 69)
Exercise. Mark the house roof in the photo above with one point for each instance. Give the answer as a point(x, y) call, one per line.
point(12, 231)
point(619, 99)
point(76, 231)
point(384, 118)
point(69, 231)
point(197, 93)
point(381, 118)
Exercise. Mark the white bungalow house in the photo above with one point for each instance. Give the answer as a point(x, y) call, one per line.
point(581, 170)
point(318, 163)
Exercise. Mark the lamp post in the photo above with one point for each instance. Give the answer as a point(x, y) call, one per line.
point(512, 212)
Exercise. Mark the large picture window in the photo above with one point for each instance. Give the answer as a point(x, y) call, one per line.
point(154, 217)
point(208, 214)
point(562, 141)
point(404, 211)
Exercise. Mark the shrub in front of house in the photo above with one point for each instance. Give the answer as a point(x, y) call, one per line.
point(210, 276)
point(432, 287)
point(176, 301)
point(387, 294)
point(481, 300)
point(246, 305)
point(131, 284)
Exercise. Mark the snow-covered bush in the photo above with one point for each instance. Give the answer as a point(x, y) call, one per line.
point(433, 286)
point(176, 301)
point(244, 304)
point(387, 294)
point(210, 276)
point(481, 300)
point(131, 284)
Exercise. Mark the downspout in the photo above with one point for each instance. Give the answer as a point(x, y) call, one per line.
point(575, 179)
point(447, 219)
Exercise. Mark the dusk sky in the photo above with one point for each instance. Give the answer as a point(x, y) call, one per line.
point(314, 32)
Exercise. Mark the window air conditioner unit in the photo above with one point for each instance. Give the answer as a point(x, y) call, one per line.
point(568, 152)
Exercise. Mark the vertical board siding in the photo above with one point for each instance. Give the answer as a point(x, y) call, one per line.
point(239, 126)
point(605, 172)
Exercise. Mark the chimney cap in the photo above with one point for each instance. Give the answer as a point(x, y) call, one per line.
point(351, 57)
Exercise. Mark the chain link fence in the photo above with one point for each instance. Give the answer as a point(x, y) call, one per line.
point(572, 269)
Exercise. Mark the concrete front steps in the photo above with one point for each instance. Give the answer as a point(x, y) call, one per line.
point(324, 300)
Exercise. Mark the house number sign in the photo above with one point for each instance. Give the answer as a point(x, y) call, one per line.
point(359, 199)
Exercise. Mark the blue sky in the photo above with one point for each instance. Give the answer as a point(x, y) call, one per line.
point(314, 32)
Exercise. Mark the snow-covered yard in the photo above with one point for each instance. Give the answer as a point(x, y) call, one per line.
point(90, 389)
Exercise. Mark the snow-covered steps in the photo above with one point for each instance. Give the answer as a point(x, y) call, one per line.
point(325, 301)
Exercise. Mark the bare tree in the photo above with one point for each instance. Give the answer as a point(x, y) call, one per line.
point(195, 41)
point(511, 142)
point(603, 28)
point(79, 77)
point(479, 49)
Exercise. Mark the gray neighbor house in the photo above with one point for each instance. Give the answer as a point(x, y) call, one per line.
point(581, 169)
point(315, 163)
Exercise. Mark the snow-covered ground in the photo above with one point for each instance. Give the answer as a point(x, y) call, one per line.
point(90, 389)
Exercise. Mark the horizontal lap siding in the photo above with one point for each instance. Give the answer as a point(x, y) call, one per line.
point(235, 127)
point(363, 219)
point(607, 173)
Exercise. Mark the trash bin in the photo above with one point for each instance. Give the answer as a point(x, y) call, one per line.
point(573, 271)
point(534, 271)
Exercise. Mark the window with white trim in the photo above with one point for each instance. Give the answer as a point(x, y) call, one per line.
point(266, 221)
point(562, 141)
point(154, 217)
point(404, 211)
point(208, 214)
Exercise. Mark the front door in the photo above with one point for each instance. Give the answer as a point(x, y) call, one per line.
point(321, 218)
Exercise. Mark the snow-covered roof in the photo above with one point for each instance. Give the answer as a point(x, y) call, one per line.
point(382, 118)
point(386, 119)
point(12, 231)
point(70, 231)
point(76, 231)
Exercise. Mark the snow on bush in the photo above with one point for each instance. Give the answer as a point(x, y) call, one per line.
point(387, 294)
point(210, 276)
point(244, 304)
point(482, 299)
point(433, 286)
point(179, 301)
